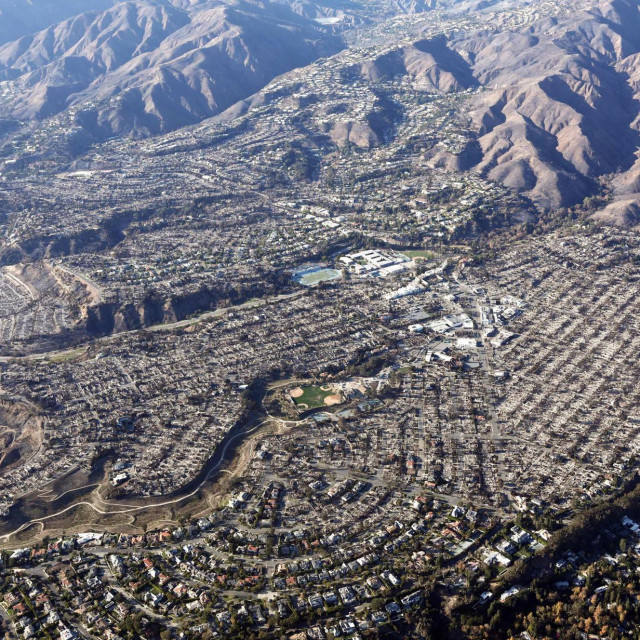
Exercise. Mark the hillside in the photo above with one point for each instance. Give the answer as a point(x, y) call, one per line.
point(552, 105)
point(560, 106)
point(20, 17)
point(150, 67)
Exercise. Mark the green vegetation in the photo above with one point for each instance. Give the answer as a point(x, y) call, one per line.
point(555, 603)
point(313, 397)
point(67, 356)
point(299, 162)
point(425, 254)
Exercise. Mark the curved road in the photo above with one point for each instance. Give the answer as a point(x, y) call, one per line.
point(213, 470)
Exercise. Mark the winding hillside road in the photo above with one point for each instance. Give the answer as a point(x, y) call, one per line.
point(214, 469)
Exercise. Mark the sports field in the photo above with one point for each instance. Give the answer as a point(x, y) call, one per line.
point(314, 397)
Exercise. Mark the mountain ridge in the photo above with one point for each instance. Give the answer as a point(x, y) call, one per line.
point(171, 66)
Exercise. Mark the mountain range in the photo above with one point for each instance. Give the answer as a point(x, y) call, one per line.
point(553, 105)
point(22, 17)
point(556, 105)
point(145, 67)
point(560, 108)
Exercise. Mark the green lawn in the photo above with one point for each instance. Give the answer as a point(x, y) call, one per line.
point(420, 253)
point(67, 356)
point(313, 397)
